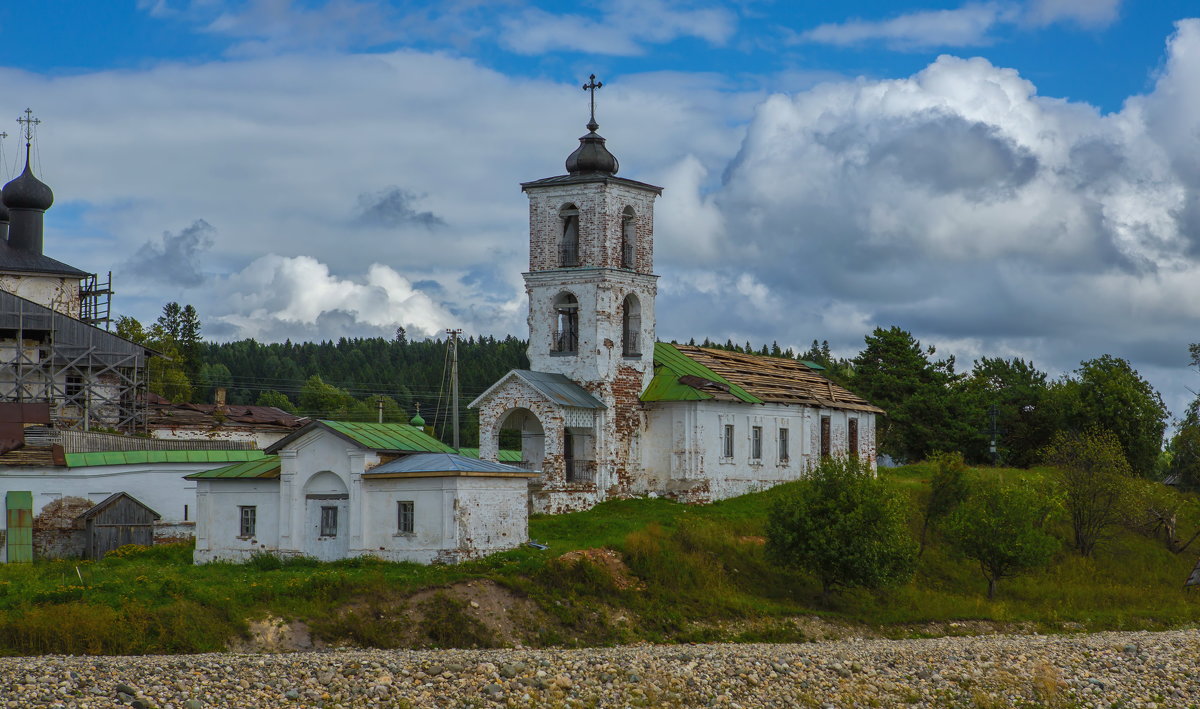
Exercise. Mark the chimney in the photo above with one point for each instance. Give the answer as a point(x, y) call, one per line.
point(219, 397)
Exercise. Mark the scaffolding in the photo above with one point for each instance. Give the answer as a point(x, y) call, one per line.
point(90, 377)
point(95, 300)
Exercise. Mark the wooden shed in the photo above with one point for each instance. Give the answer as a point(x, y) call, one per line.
point(118, 520)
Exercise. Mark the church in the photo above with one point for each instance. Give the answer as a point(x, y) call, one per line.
point(606, 410)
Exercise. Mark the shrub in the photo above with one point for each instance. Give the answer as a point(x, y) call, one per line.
point(844, 525)
point(1002, 527)
point(948, 489)
point(1095, 478)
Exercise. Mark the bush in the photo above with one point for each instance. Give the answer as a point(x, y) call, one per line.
point(845, 526)
point(948, 489)
point(1002, 526)
point(1095, 479)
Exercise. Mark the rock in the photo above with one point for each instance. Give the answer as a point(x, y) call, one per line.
point(193, 704)
point(292, 694)
point(125, 689)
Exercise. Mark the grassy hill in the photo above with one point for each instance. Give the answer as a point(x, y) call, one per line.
point(676, 573)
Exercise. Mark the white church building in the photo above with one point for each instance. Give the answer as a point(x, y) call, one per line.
point(605, 410)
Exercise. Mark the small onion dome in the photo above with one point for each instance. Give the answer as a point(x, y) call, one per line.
point(591, 155)
point(416, 420)
point(28, 192)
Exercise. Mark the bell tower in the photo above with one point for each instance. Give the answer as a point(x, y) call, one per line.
point(590, 283)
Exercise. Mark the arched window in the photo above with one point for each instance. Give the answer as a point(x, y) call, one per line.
point(566, 325)
point(631, 326)
point(628, 239)
point(568, 245)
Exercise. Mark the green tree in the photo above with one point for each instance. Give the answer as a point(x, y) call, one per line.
point(1094, 477)
point(319, 399)
point(277, 399)
point(947, 490)
point(1114, 397)
point(1185, 455)
point(844, 525)
point(924, 413)
point(1024, 416)
point(165, 374)
point(1002, 526)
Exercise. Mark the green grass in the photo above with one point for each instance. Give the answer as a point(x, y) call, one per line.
point(701, 575)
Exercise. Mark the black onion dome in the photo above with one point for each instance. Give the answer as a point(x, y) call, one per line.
point(591, 155)
point(27, 192)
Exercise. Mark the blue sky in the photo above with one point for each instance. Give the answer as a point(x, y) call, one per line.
point(1003, 178)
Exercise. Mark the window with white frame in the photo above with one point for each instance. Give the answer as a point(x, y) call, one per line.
point(405, 517)
point(756, 443)
point(727, 443)
point(784, 453)
point(248, 520)
point(329, 515)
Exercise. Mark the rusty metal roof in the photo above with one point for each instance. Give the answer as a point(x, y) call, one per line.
point(776, 380)
point(164, 414)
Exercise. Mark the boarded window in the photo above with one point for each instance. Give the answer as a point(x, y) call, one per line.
point(852, 435)
point(728, 440)
point(404, 516)
point(249, 519)
point(329, 521)
point(756, 442)
point(826, 443)
point(783, 446)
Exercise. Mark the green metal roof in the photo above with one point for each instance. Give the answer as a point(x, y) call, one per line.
point(506, 456)
point(265, 467)
point(670, 364)
point(388, 436)
point(79, 460)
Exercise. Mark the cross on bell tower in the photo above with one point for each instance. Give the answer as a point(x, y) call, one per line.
point(591, 86)
point(27, 123)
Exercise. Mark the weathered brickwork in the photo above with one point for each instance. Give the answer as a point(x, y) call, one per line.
point(601, 206)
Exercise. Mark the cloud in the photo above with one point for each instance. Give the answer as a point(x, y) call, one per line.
point(1090, 14)
point(960, 204)
point(391, 208)
point(622, 28)
point(175, 258)
point(276, 294)
point(965, 26)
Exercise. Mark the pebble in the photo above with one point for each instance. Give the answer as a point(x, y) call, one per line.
point(1100, 670)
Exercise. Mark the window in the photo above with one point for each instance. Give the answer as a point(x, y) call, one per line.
point(74, 386)
point(185, 511)
point(628, 239)
point(825, 443)
point(631, 326)
point(249, 518)
point(566, 325)
point(568, 246)
point(783, 445)
point(404, 517)
point(852, 436)
point(756, 442)
point(329, 521)
point(728, 440)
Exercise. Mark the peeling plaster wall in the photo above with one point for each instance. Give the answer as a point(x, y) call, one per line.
point(683, 451)
point(54, 292)
point(601, 207)
point(260, 439)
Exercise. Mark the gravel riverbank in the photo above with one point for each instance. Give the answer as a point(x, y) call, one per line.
point(1101, 670)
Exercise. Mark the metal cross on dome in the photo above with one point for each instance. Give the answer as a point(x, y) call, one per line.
point(29, 122)
point(591, 86)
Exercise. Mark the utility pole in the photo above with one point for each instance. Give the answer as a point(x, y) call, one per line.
point(379, 402)
point(993, 411)
point(454, 382)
